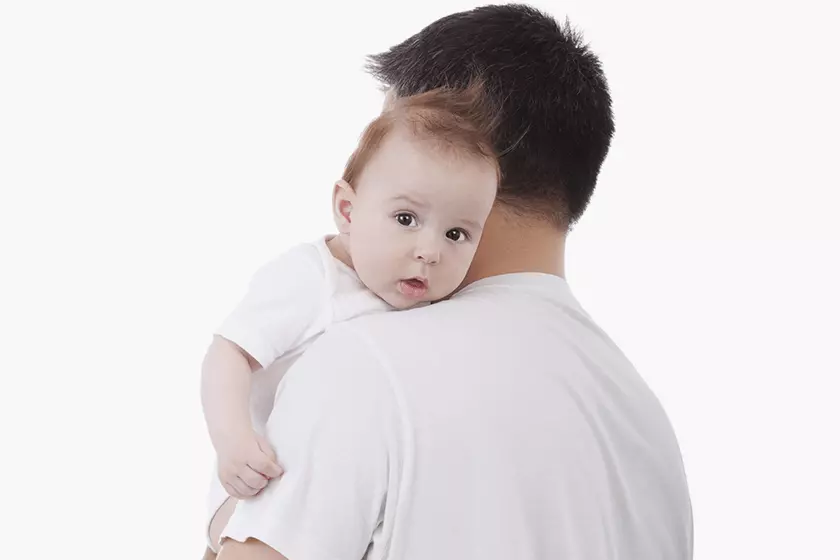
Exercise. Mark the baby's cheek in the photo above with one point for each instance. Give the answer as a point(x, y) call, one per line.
point(463, 264)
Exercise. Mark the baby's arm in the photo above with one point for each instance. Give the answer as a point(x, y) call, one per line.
point(246, 460)
point(225, 388)
point(282, 304)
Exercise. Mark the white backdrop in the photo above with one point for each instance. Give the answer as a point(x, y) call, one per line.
point(153, 154)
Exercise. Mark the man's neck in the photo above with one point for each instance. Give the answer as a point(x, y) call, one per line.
point(513, 244)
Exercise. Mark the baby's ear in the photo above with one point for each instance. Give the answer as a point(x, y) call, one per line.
point(343, 197)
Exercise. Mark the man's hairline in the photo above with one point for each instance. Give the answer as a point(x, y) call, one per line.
point(516, 212)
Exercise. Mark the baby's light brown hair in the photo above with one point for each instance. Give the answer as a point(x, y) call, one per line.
point(460, 122)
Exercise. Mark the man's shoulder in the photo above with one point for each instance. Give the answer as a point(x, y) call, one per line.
point(344, 350)
point(357, 343)
point(396, 333)
point(382, 327)
point(343, 367)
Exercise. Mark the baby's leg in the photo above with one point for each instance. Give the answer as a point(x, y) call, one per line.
point(218, 524)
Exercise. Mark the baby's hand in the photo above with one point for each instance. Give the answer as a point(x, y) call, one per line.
point(246, 464)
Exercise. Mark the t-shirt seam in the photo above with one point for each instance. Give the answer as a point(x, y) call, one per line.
point(407, 450)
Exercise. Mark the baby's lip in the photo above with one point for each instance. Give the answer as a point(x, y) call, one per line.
point(414, 287)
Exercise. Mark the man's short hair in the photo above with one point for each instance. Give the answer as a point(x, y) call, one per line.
point(556, 120)
point(458, 122)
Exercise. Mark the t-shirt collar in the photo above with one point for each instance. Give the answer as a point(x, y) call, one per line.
point(526, 280)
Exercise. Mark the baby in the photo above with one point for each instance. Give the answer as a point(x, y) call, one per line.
point(409, 210)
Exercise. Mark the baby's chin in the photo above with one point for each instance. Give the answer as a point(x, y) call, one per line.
point(401, 303)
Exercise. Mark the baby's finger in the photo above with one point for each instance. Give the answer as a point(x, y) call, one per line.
point(265, 466)
point(253, 479)
point(265, 447)
point(231, 490)
point(241, 488)
point(246, 488)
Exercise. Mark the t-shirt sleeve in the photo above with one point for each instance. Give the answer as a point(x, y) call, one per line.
point(284, 299)
point(333, 429)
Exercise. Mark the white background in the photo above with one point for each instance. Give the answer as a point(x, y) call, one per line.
point(153, 154)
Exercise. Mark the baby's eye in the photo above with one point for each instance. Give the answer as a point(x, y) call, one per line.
point(406, 220)
point(457, 235)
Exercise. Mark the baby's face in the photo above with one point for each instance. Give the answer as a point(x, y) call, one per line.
point(417, 217)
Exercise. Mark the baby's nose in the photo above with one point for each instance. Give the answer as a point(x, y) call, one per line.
point(428, 255)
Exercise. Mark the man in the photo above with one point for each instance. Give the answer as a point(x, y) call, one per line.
point(502, 423)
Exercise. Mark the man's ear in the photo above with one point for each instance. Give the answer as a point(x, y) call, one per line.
point(343, 198)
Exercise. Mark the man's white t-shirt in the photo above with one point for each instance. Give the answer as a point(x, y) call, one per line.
point(502, 424)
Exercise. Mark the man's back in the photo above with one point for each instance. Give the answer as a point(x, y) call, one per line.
point(525, 433)
point(502, 424)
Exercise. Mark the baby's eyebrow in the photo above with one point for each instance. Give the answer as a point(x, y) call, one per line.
point(412, 201)
point(470, 224)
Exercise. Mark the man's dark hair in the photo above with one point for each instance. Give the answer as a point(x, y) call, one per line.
point(556, 123)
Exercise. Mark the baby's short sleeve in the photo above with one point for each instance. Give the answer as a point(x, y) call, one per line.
point(285, 304)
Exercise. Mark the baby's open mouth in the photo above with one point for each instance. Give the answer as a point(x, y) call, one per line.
point(414, 288)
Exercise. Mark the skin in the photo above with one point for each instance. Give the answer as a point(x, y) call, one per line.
point(411, 225)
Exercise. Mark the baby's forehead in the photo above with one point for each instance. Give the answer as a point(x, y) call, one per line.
point(416, 170)
point(452, 202)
